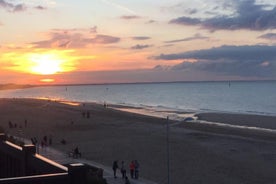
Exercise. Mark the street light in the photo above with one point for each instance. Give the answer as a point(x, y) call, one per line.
point(168, 150)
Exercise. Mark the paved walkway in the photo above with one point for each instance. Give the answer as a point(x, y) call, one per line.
point(62, 158)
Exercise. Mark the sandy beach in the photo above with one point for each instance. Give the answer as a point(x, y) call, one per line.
point(199, 153)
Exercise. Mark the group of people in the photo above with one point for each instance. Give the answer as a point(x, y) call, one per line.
point(133, 169)
point(14, 125)
point(45, 141)
point(86, 114)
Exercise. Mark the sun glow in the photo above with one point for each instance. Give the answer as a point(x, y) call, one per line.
point(42, 62)
point(47, 80)
point(46, 64)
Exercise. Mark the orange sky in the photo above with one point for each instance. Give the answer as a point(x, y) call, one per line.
point(44, 41)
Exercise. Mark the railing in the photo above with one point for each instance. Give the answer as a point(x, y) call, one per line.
point(57, 178)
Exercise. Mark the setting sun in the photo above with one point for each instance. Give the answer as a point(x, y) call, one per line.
point(46, 64)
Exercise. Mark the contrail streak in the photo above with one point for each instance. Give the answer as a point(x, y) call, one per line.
point(119, 6)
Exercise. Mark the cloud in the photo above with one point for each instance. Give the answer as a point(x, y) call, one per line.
point(19, 8)
point(268, 36)
point(139, 47)
point(252, 61)
point(255, 52)
point(11, 6)
point(168, 45)
point(186, 21)
point(103, 39)
point(192, 11)
point(231, 68)
point(150, 21)
point(93, 29)
point(73, 39)
point(128, 17)
point(39, 7)
point(141, 38)
point(247, 15)
point(195, 37)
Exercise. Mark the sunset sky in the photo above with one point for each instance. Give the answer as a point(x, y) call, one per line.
point(107, 41)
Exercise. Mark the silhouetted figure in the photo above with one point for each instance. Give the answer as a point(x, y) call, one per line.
point(50, 141)
point(131, 168)
point(35, 140)
point(77, 153)
point(123, 169)
point(10, 124)
point(25, 123)
point(63, 141)
point(115, 167)
point(45, 140)
point(136, 169)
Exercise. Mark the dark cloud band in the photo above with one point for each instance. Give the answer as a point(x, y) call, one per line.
point(248, 15)
point(249, 61)
point(256, 52)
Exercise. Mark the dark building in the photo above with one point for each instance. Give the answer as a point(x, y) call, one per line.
point(22, 165)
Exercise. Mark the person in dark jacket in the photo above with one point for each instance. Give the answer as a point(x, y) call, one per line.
point(115, 167)
point(123, 170)
point(136, 169)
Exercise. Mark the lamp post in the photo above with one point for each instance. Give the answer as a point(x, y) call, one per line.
point(168, 150)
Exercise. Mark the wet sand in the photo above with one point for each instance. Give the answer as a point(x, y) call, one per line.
point(199, 153)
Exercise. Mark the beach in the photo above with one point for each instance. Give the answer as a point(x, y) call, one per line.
point(199, 153)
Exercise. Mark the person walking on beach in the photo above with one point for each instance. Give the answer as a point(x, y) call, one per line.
point(87, 114)
point(50, 141)
point(76, 153)
point(136, 169)
point(123, 170)
point(25, 122)
point(115, 167)
point(131, 168)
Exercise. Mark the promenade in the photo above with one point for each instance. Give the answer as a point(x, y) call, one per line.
point(63, 158)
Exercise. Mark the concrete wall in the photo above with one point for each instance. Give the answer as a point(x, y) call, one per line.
point(21, 165)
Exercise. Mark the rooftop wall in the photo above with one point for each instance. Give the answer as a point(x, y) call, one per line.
point(21, 165)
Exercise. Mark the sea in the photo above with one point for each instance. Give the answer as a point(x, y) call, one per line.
point(176, 99)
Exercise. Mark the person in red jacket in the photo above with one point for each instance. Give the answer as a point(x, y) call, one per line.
point(131, 168)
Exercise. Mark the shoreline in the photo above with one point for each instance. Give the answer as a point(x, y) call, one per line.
point(251, 125)
point(246, 120)
point(223, 118)
point(200, 153)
